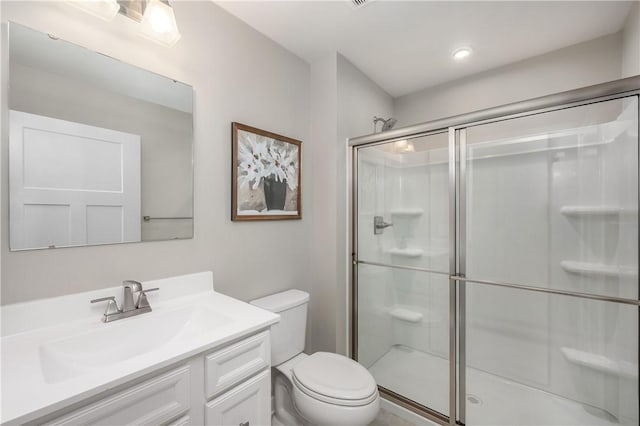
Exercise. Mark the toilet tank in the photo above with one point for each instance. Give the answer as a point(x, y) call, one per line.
point(287, 336)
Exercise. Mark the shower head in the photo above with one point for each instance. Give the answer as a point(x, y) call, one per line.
point(387, 124)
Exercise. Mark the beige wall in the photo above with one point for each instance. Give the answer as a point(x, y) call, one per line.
point(238, 75)
point(359, 99)
point(344, 103)
point(631, 43)
point(581, 65)
point(324, 133)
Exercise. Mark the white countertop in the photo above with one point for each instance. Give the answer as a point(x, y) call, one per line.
point(29, 392)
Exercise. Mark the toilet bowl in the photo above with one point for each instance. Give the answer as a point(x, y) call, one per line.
point(333, 389)
point(319, 389)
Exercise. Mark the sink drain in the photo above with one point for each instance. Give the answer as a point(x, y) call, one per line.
point(474, 399)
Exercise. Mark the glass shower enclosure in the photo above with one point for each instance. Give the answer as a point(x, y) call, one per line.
point(495, 262)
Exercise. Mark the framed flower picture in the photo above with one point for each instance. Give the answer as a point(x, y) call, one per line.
point(266, 175)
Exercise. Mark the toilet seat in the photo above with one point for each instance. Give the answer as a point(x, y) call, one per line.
point(335, 379)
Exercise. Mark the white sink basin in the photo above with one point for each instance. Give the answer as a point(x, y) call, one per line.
point(122, 340)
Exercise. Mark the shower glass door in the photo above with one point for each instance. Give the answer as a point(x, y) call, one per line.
point(551, 203)
point(495, 274)
point(403, 268)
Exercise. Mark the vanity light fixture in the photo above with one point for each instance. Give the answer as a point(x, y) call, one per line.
point(159, 23)
point(103, 9)
point(462, 53)
point(156, 18)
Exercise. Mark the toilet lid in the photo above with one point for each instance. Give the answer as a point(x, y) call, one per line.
point(335, 379)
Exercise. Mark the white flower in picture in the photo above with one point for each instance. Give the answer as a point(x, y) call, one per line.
point(252, 156)
point(262, 157)
point(251, 173)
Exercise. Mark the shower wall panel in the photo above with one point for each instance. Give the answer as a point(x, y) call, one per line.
point(374, 328)
point(507, 240)
point(405, 311)
point(552, 203)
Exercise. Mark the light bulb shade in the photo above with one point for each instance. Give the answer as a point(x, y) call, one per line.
point(103, 9)
point(159, 23)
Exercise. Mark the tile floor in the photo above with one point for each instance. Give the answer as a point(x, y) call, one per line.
point(386, 418)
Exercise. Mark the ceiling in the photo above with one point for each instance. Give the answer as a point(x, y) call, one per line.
point(405, 46)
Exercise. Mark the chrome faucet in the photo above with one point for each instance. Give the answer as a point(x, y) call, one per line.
point(129, 307)
point(130, 287)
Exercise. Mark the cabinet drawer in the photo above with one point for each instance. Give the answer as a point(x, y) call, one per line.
point(248, 404)
point(235, 363)
point(155, 401)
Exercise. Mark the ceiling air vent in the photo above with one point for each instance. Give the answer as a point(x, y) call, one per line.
point(357, 4)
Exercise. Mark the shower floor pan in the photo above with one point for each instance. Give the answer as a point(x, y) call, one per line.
point(491, 400)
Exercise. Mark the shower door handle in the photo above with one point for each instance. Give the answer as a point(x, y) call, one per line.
point(379, 224)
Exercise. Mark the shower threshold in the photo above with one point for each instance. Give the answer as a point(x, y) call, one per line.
point(491, 400)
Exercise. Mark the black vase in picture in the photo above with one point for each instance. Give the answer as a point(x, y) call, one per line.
point(275, 193)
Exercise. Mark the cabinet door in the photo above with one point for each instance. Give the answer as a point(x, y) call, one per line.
point(248, 404)
point(233, 364)
point(155, 401)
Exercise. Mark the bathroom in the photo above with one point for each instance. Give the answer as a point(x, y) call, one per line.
point(248, 70)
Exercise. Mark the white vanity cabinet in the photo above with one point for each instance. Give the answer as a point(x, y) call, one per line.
point(229, 385)
point(238, 377)
point(158, 400)
point(246, 404)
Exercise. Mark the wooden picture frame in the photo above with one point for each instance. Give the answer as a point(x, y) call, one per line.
point(266, 181)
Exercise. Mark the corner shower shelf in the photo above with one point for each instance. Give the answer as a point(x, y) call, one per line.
point(407, 212)
point(406, 252)
point(407, 315)
point(414, 315)
point(601, 363)
point(585, 268)
point(596, 211)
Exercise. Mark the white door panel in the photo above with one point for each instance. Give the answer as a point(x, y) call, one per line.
point(46, 225)
point(86, 174)
point(81, 163)
point(104, 224)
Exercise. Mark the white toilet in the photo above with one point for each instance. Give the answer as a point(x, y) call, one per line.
point(319, 389)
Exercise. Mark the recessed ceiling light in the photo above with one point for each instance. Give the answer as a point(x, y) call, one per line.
point(461, 53)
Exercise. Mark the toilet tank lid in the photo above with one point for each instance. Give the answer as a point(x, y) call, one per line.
point(282, 301)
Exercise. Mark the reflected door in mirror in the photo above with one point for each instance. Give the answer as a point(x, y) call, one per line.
point(72, 184)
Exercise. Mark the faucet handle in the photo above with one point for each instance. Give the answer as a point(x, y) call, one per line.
point(112, 306)
point(132, 284)
point(143, 302)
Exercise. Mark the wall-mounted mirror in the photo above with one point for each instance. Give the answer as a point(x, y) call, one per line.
point(100, 152)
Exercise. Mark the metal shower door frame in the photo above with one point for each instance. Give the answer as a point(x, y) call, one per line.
point(456, 127)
